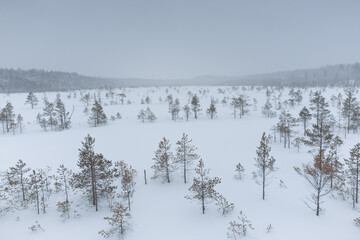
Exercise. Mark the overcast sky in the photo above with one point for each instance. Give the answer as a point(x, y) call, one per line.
point(177, 39)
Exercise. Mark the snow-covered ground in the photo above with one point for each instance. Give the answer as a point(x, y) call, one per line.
point(160, 210)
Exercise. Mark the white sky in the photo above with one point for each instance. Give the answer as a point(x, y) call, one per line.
point(177, 39)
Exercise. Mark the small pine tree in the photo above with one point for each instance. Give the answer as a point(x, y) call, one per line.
point(240, 171)
point(224, 207)
point(49, 114)
point(239, 229)
point(17, 183)
point(187, 112)
point(305, 117)
point(317, 174)
point(202, 189)
point(353, 164)
point(150, 116)
point(142, 115)
point(264, 163)
point(119, 223)
point(163, 166)
point(32, 100)
point(97, 116)
point(96, 173)
point(63, 117)
point(211, 111)
point(128, 184)
point(64, 176)
point(8, 116)
point(195, 105)
point(20, 121)
point(185, 154)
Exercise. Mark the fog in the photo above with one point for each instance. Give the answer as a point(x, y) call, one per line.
point(177, 39)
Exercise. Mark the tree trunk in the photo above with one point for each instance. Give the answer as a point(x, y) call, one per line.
point(145, 177)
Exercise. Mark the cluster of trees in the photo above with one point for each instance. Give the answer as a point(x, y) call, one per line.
point(9, 120)
point(325, 173)
point(54, 116)
point(98, 178)
point(146, 115)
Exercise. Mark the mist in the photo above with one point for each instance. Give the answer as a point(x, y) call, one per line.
point(167, 39)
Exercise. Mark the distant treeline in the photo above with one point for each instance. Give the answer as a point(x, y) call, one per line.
point(19, 80)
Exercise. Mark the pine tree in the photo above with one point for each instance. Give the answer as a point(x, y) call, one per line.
point(41, 121)
point(20, 121)
point(142, 115)
point(128, 184)
point(195, 105)
point(9, 116)
point(239, 229)
point(163, 166)
point(353, 164)
point(186, 110)
point(317, 174)
point(150, 116)
point(185, 154)
point(32, 100)
point(336, 165)
point(211, 111)
point(224, 207)
point(239, 171)
point(174, 108)
point(202, 189)
point(37, 190)
point(285, 126)
point(96, 174)
point(63, 117)
point(264, 163)
point(242, 104)
point(305, 117)
point(17, 183)
point(350, 106)
point(119, 223)
point(267, 110)
point(63, 184)
point(97, 116)
point(86, 99)
point(49, 114)
point(320, 136)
